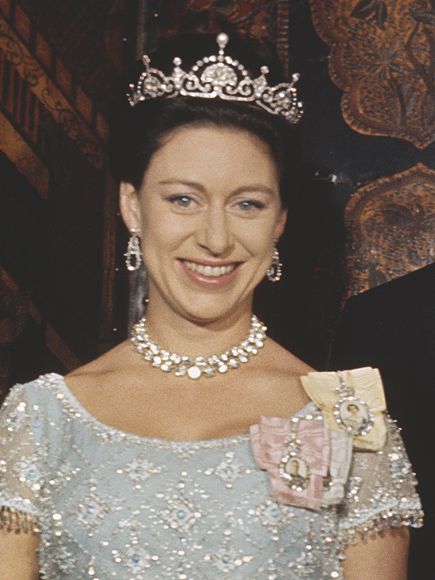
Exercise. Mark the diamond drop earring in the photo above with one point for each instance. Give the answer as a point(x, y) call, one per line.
point(133, 256)
point(274, 271)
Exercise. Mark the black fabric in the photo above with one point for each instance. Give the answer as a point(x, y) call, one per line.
point(392, 327)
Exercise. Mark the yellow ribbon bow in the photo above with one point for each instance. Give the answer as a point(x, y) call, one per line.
point(353, 400)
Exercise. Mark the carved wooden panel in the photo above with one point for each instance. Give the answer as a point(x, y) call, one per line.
point(263, 20)
point(16, 307)
point(382, 57)
point(57, 60)
point(391, 224)
point(248, 15)
point(37, 81)
point(87, 36)
point(13, 309)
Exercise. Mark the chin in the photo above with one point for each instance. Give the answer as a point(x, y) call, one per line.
point(216, 308)
point(206, 315)
point(205, 306)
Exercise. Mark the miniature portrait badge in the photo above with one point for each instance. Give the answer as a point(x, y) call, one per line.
point(354, 415)
point(294, 471)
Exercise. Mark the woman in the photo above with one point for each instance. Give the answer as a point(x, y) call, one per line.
point(217, 454)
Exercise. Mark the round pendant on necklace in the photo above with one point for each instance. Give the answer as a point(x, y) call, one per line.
point(197, 367)
point(194, 372)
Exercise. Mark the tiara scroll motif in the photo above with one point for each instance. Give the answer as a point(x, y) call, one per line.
point(218, 76)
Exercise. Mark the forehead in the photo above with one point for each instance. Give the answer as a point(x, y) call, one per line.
point(211, 153)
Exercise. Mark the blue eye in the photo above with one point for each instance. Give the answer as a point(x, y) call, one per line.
point(183, 201)
point(249, 204)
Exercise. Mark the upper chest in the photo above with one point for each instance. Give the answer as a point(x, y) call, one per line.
point(189, 411)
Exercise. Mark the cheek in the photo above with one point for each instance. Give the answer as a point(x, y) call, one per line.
point(162, 233)
point(258, 236)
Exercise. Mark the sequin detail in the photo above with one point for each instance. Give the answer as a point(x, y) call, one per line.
point(17, 522)
point(115, 505)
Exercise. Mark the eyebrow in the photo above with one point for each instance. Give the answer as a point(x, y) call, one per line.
point(201, 188)
point(192, 184)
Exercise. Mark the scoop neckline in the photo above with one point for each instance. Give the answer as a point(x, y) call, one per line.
point(237, 438)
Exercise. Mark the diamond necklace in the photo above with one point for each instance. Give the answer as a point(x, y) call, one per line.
point(195, 367)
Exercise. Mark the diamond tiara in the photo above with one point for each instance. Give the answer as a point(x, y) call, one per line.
point(218, 76)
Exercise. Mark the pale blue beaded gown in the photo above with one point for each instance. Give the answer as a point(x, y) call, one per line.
point(115, 505)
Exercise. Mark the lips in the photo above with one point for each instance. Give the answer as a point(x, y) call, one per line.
point(209, 275)
point(210, 271)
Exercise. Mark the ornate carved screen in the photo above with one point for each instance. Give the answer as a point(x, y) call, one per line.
point(382, 56)
point(391, 223)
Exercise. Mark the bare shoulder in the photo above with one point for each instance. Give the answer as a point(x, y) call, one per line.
point(283, 361)
point(89, 379)
point(279, 372)
point(110, 360)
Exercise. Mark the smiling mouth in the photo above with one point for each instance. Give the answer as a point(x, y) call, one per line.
point(210, 271)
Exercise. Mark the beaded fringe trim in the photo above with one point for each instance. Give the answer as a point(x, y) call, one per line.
point(382, 522)
point(17, 522)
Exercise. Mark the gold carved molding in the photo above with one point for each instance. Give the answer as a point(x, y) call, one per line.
point(50, 95)
point(391, 228)
point(382, 57)
point(23, 157)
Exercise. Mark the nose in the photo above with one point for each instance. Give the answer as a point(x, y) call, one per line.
point(215, 233)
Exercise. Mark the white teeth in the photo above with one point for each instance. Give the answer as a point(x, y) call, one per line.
point(212, 271)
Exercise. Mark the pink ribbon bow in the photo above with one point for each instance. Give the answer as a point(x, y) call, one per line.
point(270, 443)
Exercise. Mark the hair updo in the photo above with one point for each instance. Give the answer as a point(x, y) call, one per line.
point(138, 132)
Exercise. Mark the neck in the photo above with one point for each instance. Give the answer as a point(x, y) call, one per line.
point(176, 332)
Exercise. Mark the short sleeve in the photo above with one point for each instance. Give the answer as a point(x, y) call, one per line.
point(20, 464)
point(380, 491)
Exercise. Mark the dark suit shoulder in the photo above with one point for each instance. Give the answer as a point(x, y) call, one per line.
point(399, 289)
point(387, 323)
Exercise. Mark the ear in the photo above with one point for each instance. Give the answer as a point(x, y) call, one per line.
point(280, 223)
point(129, 205)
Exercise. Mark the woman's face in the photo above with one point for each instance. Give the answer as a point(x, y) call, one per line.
point(209, 212)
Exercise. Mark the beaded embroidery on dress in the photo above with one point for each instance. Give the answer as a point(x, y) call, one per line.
point(116, 505)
